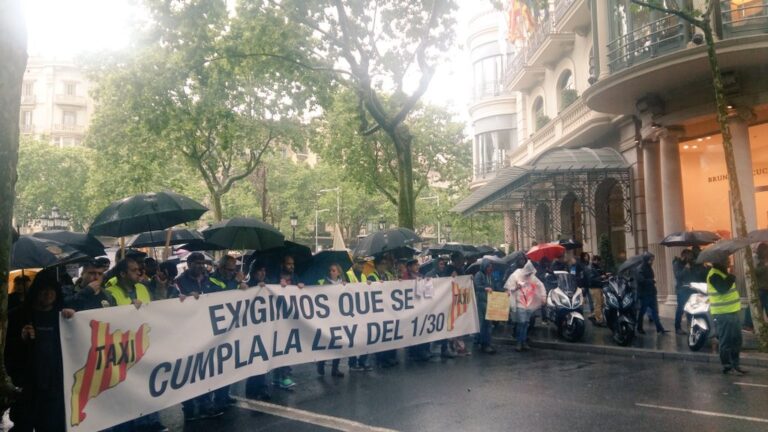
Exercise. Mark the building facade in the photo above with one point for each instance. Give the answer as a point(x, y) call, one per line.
point(618, 138)
point(55, 104)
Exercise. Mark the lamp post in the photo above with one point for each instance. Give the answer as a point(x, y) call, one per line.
point(317, 212)
point(294, 222)
point(337, 189)
point(448, 228)
point(382, 224)
point(437, 198)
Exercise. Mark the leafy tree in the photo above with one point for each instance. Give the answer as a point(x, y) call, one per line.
point(703, 20)
point(13, 51)
point(178, 94)
point(52, 176)
point(376, 50)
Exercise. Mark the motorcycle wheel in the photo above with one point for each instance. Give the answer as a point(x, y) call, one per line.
point(624, 335)
point(574, 332)
point(697, 337)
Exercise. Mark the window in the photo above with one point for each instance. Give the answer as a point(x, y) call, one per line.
point(566, 89)
point(488, 76)
point(537, 112)
point(26, 118)
point(70, 89)
point(491, 149)
point(69, 118)
point(28, 88)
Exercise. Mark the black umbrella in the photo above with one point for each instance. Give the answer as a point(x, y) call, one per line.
point(33, 252)
point(450, 248)
point(158, 238)
point(318, 266)
point(758, 236)
point(273, 258)
point(571, 244)
point(385, 241)
point(14, 235)
point(630, 264)
point(690, 238)
point(498, 264)
point(146, 212)
point(722, 250)
point(244, 233)
point(82, 242)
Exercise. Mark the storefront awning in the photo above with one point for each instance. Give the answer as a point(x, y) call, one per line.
point(559, 160)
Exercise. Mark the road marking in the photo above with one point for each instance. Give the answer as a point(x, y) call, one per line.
point(310, 417)
point(706, 413)
point(751, 384)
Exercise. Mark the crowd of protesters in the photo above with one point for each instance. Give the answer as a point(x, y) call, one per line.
point(33, 357)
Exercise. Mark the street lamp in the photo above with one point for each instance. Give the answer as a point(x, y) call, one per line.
point(382, 224)
point(317, 212)
point(294, 222)
point(448, 228)
point(337, 189)
point(437, 198)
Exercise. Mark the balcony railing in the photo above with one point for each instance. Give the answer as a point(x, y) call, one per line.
point(651, 40)
point(561, 8)
point(489, 89)
point(744, 20)
point(68, 128)
point(486, 169)
point(28, 100)
point(26, 128)
point(540, 34)
point(64, 99)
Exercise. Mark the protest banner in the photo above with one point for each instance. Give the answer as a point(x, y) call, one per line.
point(121, 363)
point(498, 306)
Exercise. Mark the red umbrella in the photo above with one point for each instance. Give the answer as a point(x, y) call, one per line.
point(546, 250)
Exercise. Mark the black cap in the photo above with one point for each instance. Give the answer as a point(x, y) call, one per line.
point(195, 256)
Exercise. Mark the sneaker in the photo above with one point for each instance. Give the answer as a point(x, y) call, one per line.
point(526, 347)
point(337, 373)
point(286, 384)
point(518, 347)
point(209, 412)
point(681, 332)
point(321, 370)
point(641, 331)
point(356, 368)
point(727, 370)
point(447, 354)
point(367, 368)
point(154, 427)
point(487, 349)
point(740, 370)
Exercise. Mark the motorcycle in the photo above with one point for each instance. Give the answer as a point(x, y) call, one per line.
point(697, 309)
point(619, 309)
point(564, 307)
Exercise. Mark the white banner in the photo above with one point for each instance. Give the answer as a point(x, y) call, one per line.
point(121, 363)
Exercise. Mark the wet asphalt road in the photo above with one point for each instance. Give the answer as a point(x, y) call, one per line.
point(534, 391)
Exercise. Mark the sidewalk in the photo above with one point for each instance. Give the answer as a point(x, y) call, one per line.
point(669, 346)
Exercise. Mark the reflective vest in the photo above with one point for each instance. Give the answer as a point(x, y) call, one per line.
point(121, 297)
point(353, 279)
point(729, 302)
point(375, 276)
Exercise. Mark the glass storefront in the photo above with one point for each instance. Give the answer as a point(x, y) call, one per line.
point(705, 181)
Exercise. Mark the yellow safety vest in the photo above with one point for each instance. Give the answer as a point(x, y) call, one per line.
point(219, 283)
point(121, 298)
point(729, 302)
point(353, 278)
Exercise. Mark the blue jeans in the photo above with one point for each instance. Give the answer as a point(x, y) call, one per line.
point(652, 305)
point(682, 296)
point(484, 338)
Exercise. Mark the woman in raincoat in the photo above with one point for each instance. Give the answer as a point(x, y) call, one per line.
point(527, 295)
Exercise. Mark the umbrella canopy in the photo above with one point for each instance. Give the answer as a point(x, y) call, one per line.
point(450, 248)
point(83, 242)
point(201, 245)
point(690, 238)
point(244, 233)
point(157, 238)
point(318, 266)
point(33, 252)
point(273, 258)
point(146, 212)
point(498, 264)
point(545, 250)
point(570, 244)
point(386, 241)
point(758, 236)
point(722, 250)
point(630, 264)
point(13, 274)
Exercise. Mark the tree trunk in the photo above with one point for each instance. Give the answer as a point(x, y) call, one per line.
point(733, 183)
point(406, 200)
point(13, 52)
point(216, 200)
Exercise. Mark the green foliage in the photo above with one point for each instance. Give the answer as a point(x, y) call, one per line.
point(50, 176)
point(541, 121)
point(567, 97)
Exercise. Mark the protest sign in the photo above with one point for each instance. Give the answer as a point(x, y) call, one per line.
point(121, 363)
point(498, 306)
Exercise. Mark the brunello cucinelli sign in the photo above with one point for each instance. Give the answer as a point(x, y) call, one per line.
point(723, 177)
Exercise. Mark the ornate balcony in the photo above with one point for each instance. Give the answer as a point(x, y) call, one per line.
point(543, 48)
point(70, 100)
point(69, 129)
point(572, 16)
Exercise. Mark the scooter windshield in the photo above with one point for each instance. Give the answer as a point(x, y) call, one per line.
point(566, 282)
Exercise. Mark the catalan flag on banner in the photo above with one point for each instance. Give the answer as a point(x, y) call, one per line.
point(109, 358)
point(461, 299)
point(521, 20)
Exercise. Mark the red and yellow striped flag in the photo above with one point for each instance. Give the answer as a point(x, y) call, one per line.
point(109, 358)
point(460, 303)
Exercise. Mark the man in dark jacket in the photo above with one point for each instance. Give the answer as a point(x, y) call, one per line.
point(646, 293)
point(684, 268)
point(594, 278)
point(88, 293)
point(484, 284)
point(194, 280)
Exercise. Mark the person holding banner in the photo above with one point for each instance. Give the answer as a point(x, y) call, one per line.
point(282, 375)
point(484, 284)
point(256, 387)
point(382, 273)
point(333, 278)
point(528, 294)
point(356, 275)
point(441, 270)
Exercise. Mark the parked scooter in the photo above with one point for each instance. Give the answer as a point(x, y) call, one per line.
point(619, 309)
point(700, 320)
point(564, 307)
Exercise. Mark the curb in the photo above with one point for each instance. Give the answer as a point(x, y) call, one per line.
point(746, 359)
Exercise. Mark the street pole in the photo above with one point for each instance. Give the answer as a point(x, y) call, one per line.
point(337, 189)
point(317, 212)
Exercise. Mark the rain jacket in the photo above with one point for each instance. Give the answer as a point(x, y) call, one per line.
point(526, 290)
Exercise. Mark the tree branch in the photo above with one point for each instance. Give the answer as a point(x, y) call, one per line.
point(686, 17)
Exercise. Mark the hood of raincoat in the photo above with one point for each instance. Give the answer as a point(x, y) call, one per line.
point(528, 269)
